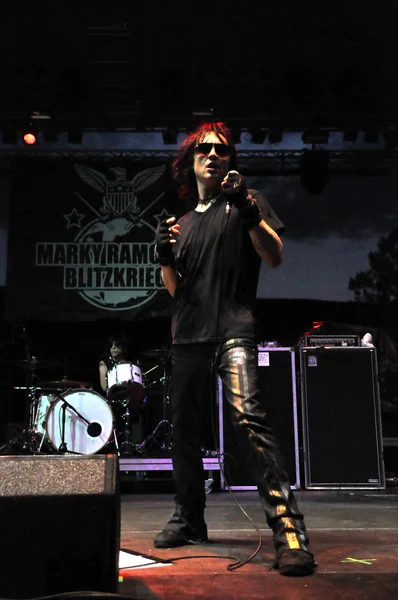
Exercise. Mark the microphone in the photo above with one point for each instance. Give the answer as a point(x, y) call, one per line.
point(94, 429)
point(228, 205)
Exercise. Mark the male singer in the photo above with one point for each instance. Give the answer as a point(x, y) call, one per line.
point(210, 261)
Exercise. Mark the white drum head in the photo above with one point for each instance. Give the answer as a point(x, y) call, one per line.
point(112, 377)
point(79, 437)
point(123, 373)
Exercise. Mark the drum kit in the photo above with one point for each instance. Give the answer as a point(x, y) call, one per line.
point(68, 416)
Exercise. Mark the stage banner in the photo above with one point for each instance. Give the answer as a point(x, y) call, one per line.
point(81, 239)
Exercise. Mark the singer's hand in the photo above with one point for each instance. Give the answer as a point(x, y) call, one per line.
point(166, 235)
point(234, 186)
point(174, 230)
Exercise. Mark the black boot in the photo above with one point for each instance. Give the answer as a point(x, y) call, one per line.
point(182, 529)
point(295, 563)
point(290, 537)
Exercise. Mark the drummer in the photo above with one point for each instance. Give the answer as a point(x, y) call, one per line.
point(116, 354)
point(126, 398)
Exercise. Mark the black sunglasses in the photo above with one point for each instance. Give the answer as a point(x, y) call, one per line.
point(204, 148)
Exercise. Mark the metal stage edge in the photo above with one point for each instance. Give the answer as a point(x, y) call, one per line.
point(160, 464)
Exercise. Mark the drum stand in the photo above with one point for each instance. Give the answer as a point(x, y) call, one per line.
point(34, 439)
point(161, 435)
point(126, 447)
point(121, 437)
point(29, 440)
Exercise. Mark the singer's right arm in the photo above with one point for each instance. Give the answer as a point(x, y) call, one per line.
point(169, 278)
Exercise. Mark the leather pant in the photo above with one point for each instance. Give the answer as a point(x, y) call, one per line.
point(235, 361)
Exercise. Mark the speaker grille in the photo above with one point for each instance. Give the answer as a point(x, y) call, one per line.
point(341, 418)
point(277, 396)
point(55, 475)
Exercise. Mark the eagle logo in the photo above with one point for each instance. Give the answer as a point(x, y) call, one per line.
point(120, 196)
point(122, 231)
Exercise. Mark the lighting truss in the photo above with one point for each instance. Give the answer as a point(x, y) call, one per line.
point(264, 161)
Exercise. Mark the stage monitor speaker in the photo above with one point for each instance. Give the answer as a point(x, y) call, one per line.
point(59, 523)
point(277, 382)
point(342, 440)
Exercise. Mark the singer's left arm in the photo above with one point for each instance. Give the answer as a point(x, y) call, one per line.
point(265, 240)
point(267, 244)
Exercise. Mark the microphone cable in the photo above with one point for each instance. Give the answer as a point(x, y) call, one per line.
point(213, 402)
point(213, 370)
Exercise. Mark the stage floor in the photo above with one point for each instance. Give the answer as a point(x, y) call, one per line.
point(353, 534)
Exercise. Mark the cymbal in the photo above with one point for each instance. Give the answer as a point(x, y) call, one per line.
point(33, 363)
point(62, 384)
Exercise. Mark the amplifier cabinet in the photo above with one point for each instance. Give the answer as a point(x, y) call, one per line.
point(342, 439)
point(277, 382)
point(60, 526)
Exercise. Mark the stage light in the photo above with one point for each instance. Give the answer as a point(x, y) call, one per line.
point(257, 136)
point(275, 136)
point(50, 136)
point(390, 138)
point(169, 136)
point(371, 137)
point(236, 133)
point(29, 136)
point(75, 135)
point(202, 112)
point(10, 135)
point(314, 171)
point(40, 115)
point(350, 136)
point(49, 131)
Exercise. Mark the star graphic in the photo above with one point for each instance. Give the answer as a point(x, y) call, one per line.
point(164, 214)
point(73, 219)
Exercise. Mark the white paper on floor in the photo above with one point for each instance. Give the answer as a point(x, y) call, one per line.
point(128, 559)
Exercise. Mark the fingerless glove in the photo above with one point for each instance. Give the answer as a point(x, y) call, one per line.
point(164, 248)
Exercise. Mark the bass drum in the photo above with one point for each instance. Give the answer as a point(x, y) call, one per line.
point(43, 404)
point(85, 426)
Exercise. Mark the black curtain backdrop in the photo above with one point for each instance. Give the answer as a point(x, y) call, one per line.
point(81, 239)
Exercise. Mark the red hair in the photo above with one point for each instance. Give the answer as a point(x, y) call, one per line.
point(182, 166)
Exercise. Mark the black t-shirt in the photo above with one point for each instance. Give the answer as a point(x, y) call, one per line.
point(219, 269)
point(108, 360)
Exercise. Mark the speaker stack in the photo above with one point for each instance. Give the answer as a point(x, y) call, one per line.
point(324, 406)
point(342, 439)
point(277, 382)
point(59, 523)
